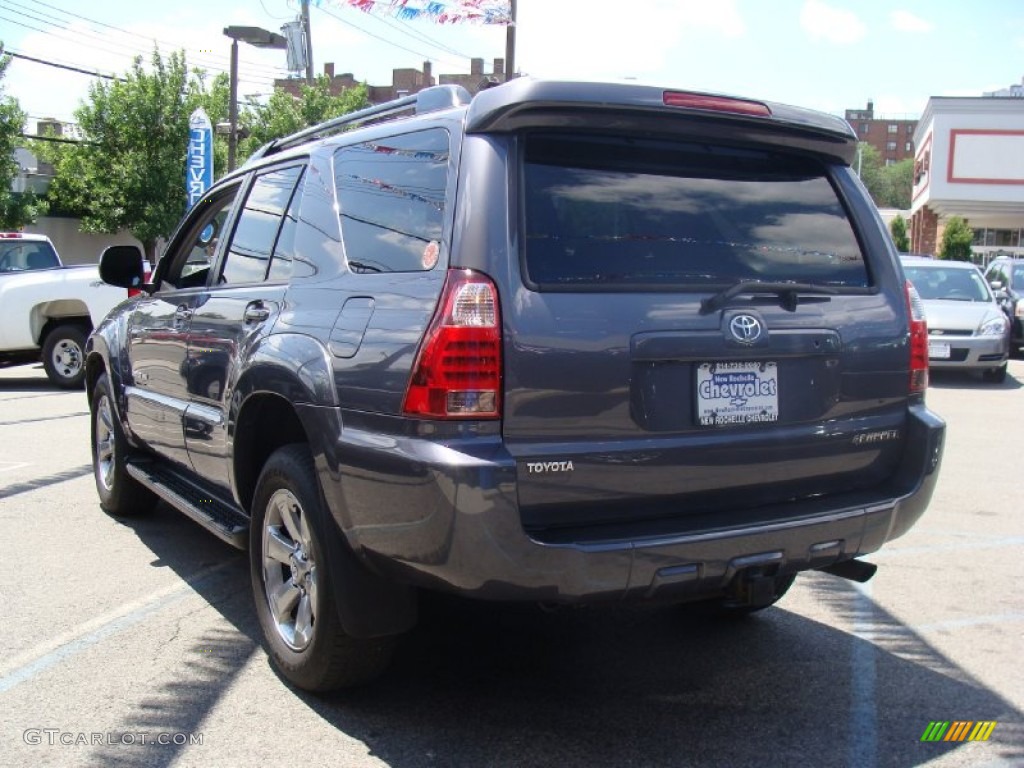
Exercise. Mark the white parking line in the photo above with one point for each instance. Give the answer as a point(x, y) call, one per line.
point(29, 664)
point(8, 466)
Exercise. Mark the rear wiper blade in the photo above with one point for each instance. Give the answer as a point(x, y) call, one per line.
point(788, 292)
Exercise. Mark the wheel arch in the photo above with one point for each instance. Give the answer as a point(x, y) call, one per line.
point(275, 402)
point(47, 315)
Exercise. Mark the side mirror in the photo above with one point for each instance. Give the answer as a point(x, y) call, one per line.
point(996, 285)
point(122, 266)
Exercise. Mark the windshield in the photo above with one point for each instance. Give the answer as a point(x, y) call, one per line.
point(631, 213)
point(934, 283)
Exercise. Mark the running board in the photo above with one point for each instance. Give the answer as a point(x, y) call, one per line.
point(221, 518)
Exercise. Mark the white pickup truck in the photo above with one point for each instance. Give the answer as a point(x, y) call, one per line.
point(47, 309)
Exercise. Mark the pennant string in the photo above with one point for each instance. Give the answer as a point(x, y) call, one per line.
point(439, 11)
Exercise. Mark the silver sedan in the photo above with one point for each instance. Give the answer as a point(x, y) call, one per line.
point(967, 330)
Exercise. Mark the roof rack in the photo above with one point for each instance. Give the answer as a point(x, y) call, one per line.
point(431, 99)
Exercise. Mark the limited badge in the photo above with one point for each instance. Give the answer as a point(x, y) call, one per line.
point(430, 253)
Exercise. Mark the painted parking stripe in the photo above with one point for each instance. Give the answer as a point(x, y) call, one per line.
point(28, 665)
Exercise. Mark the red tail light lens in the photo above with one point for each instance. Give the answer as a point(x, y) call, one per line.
point(457, 373)
point(918, 341)
point(716, 103)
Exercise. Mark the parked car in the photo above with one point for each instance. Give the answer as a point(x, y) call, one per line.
point(48, 309)
point(560, 342)
point(1005, 275)
point(967, 329)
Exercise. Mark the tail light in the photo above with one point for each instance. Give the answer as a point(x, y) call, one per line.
point(716, 103)
point(918, 341)
point(457, 373)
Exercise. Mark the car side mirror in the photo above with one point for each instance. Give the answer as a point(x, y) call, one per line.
point(996, 285)
point(122, 266)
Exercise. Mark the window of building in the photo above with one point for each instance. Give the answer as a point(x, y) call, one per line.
point(864, 128)
point(891, 146)
point(893, 128)
point(908, 147)
point(391, 195)
point(910, 128)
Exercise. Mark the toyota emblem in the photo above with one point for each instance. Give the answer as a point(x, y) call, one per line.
point(746, 329)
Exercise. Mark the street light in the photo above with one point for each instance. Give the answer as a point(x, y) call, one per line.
point(261, 38)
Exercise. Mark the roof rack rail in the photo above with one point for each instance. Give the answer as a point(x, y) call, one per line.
point(431, 99)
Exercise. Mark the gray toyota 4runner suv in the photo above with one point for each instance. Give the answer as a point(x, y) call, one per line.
point(562, 342)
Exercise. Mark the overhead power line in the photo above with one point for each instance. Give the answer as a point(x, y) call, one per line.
point(124, 31)
point(265, 76)
point(383, 39)
point(63, 66)
point(54, 138)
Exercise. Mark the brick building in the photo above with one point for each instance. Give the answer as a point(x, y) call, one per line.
point(893, 138)
point(403, 81)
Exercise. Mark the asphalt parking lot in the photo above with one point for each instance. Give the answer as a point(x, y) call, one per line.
point(134, 641)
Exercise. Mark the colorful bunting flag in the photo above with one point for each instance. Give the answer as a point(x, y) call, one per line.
point(438, 11)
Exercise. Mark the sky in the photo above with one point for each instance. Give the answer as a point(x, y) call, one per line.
point(829, 55)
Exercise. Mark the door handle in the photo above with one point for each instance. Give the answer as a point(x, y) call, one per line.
point(256, 312)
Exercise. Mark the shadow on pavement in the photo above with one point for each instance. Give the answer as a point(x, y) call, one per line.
point(220, 575)
point(510, 685)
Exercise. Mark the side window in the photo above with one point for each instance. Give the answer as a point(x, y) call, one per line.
point(197, 245)
point(252, 245)
point(391, 195)
point(284, 253)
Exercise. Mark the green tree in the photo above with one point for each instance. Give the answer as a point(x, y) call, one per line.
point(957, 239)
point(898, 228)
point(900, 183)
point(888, 185)
point(16, 208)
point(869, 165)
point(284, 114)
point(128, 173)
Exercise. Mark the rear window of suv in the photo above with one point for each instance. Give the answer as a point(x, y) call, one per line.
point(604, 213)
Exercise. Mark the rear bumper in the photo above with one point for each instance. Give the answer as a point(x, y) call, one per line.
point(445, 516)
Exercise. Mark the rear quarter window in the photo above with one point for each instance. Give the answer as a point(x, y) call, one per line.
point(621, 213)
point(391, 199)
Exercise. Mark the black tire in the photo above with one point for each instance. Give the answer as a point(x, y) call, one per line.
point(120, 493)
point(725, 608)
point(305, 639)
point(996, 375)
point(64, 356)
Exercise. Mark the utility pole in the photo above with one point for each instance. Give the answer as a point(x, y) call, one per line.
point(510, 46)
point(309, 42)
point(233, 106)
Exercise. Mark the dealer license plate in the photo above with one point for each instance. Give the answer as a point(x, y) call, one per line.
point(938, 350)
point(737, 393)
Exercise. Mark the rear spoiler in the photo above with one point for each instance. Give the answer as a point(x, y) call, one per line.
point(528, 103)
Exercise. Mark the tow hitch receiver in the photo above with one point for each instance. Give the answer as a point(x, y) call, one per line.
point(854, 570)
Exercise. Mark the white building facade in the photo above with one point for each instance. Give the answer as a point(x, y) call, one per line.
point(969, 162)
